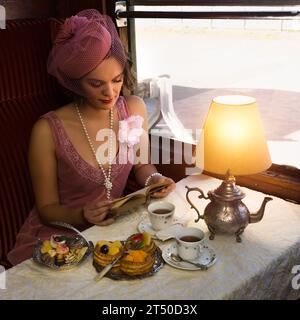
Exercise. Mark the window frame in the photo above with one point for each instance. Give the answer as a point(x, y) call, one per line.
point(213, 2)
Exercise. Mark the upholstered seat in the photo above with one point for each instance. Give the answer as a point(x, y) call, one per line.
point(26, 92)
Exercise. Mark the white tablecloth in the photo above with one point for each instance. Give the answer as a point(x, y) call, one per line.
point(258, 268)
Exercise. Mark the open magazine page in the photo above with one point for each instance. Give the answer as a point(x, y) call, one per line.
point(135, 199)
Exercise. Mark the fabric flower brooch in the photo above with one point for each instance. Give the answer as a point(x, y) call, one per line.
point(130, 130)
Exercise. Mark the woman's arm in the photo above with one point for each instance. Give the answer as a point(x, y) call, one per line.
point(43, 170)
point(143, 170)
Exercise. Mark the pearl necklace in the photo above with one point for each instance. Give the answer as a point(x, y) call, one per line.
point(107, 177)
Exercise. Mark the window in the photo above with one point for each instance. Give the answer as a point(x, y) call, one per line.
point(208, 57)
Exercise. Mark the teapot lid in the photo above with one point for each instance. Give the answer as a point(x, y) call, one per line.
point(228, 191)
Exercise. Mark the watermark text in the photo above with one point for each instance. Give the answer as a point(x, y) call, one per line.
point(296, 278)
point(2, 278)
point(2, 17)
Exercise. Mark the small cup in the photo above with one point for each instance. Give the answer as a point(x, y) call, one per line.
point(161, 214)
point(189, 243)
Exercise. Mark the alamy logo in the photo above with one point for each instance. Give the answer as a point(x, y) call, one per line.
point(2, 17)
point(2, 278)
point(296, 279)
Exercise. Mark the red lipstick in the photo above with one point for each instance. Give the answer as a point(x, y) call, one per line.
point(108, 101)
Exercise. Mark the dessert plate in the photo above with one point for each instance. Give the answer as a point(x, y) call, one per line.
point(119, 275)
point(207, 258)
point(76, 240)
point(37, 256)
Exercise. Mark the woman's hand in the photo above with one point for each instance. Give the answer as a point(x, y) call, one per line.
point(165, 191)
point(97, 211)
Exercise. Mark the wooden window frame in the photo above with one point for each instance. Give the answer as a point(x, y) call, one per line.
point(213, 3)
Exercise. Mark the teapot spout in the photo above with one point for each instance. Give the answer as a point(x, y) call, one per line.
point(256, 217)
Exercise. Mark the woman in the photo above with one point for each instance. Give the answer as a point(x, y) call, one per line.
point(74, 176)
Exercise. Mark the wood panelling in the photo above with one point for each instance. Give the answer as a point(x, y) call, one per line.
point(24, 9)
point(66, 8)
point(19, 9)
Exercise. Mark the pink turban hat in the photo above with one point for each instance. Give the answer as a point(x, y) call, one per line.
point(82, 43)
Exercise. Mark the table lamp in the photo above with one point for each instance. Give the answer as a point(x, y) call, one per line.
point(232, 143)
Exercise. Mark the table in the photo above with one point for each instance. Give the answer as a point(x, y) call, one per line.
point(258, 268)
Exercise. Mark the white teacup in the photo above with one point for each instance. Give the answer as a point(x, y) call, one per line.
point(161, 214)
point(189, 243)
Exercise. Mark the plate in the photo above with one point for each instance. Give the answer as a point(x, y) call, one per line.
point(145, 226)
point(37, 256)
point(207, 257)
point(74, 241)
point(119, 275)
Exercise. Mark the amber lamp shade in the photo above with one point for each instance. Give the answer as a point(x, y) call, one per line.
point(233, 138)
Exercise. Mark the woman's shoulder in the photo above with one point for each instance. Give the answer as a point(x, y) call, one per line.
point(41, 134)
point(136, 105)
point(42, 126)
point(65, 112)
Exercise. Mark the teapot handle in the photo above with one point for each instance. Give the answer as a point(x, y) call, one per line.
point(201, 196)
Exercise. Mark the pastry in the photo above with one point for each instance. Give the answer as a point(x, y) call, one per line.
point(56, 240)
point(137, 254)
point(46, 246)
point(137, 262)
point(59, 260)
point(141, 241)
point(62, 249)
point(75, 255)
point(105, 252)
point(47, 259)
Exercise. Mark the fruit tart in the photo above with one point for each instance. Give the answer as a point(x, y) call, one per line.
point(137, 255)
point(137, 262)
point(105, 252)
point(141, 241)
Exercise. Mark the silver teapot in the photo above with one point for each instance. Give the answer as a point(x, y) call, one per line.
point(226, 213)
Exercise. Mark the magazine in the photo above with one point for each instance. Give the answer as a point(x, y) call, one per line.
point(124, 204)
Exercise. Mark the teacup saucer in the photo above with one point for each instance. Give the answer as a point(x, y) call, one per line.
point(145, 226)
point(207, 257)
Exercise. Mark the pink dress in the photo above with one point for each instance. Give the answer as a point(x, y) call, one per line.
point(78, 183)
